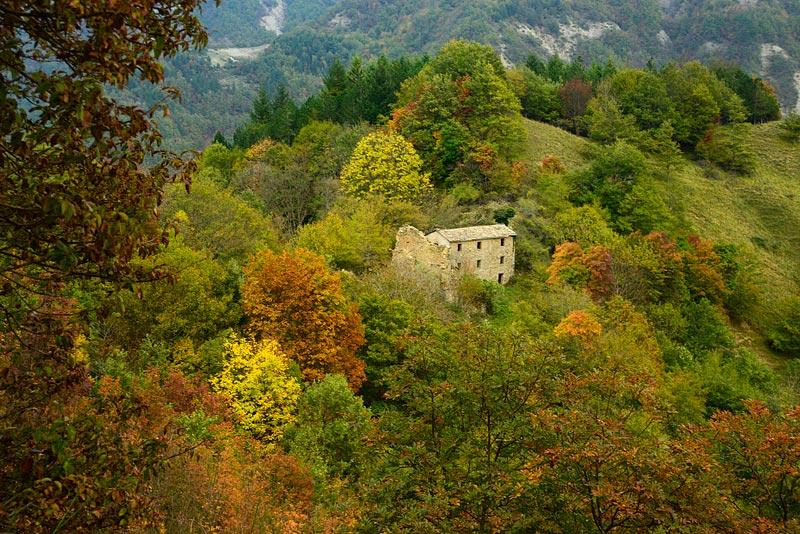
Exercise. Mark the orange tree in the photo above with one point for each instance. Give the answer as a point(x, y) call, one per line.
point(293, 299)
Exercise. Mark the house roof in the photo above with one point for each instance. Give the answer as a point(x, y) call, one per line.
point(474, 233)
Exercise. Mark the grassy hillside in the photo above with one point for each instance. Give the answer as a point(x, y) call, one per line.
point(759, 213)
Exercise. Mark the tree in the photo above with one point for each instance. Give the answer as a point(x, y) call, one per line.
point(214, 219)
point(293, 299)
point(539, 97)
point(451, 459)
point(385, 164)
point(331, 423)
point(256, 380)
point(784, 333)
point(461, 114)
point(191, 310)
point(356, 235)
point(81, 173)
point(80, 183)
point(790, 127)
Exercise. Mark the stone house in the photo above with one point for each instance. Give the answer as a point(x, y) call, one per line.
point(486, 252)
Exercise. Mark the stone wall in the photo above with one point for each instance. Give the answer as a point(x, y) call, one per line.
point(413, 252)
point(446, 261)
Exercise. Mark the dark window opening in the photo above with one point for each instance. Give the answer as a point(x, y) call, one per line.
point(479, 245)
point(458, 247)
point(502, 241)
point(478, 264)
point(502, 259)
point(500, 278)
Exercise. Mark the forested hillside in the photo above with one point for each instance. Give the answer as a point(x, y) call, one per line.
point(256, 43)
point(224, 344)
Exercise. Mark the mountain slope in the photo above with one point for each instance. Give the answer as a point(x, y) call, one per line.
point(760, 214)
point(760, 35)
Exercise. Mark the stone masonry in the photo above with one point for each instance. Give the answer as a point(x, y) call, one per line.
point(486, 252)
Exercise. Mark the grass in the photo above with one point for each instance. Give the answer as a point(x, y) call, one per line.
point(758, 213)
point(545, 140)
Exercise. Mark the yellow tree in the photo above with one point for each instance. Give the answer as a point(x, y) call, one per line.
point(293, 299)
point(262, 393)
point(385, 164)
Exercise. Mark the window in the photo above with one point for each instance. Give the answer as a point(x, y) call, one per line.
point(458, 247)
point(479, 245)
point(478, 265)
point(458, 265)
point(502, 260)
point(500, 278)
point(502, 241)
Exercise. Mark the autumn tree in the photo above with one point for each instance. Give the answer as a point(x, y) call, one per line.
point(81, 173)
point(262, 393)
point(80, 183)
point(293, 299)
point(385, 164)
point(461, 114)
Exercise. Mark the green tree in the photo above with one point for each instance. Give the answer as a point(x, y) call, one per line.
point(182, 315)
point(385, 164)
point(331, 425)
point(459, 112)
point(538, 97)
point(790, 127)
point(354, 235)
point(451, 460)
point(213, 219)
point(784, 333)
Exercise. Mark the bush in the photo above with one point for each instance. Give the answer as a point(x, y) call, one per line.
point(784, 334)
point(727, 147)
point(790, 127)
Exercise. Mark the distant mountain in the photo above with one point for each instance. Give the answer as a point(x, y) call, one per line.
point(294, 42)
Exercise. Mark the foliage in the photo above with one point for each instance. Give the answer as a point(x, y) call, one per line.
point(618, 179)
point(385, 164)
point(256, 379)
point(87, 463)
point(276, 118)
point(76, 201)
point(213, 218)
point(450, 460)
point(387, 323)
point(460, 114)
point(590, 269)
point(358, 235)
point(758, 96)
point(194, 308)
point(784, 333)
point(222, 161)
point(331, 424)
point(759, 451)
point(80, 185)
point(293, 299)
point(790, 127)
point(579, 325)
point(295, 184)
point(728, 148)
